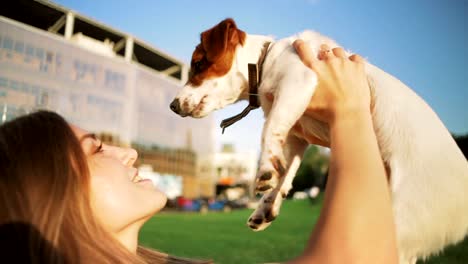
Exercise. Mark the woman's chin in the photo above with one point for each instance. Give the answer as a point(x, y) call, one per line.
point(148, 199)
point(160, 201)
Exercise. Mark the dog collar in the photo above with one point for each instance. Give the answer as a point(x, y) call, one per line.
point(255, 78)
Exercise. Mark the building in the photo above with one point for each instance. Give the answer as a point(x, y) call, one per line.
point(101, 79)
point(233, 168)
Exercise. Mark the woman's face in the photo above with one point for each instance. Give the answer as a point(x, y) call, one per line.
point(120, 198)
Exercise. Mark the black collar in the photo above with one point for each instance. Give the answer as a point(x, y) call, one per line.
point(255, 78)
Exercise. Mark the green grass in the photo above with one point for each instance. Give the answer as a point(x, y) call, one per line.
point(225, 238)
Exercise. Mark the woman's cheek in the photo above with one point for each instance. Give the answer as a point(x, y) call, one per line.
point(108, 202)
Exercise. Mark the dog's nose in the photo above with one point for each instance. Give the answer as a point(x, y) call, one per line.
point(175, 106)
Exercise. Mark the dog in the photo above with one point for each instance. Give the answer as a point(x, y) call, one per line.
point(427, 172)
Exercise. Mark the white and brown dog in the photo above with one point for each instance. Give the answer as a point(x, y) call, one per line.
point(428, 173)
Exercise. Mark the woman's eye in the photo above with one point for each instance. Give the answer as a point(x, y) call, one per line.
point(99, 149)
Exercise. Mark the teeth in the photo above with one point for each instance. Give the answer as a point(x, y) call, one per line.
point(137, 179)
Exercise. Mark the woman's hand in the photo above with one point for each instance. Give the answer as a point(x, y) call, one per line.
point(342, 89)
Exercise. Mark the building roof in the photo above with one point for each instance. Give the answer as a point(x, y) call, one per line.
point(51, 17)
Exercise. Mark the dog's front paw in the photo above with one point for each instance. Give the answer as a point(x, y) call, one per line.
point(266, 212)
point(269, 174)
point(266, 180)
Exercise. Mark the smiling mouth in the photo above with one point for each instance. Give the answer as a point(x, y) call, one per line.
point(136, 178)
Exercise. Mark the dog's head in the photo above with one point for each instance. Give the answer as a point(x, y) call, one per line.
point(214, 80)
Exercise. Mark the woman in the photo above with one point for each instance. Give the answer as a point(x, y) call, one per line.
point(82, 201)
point(68, 198)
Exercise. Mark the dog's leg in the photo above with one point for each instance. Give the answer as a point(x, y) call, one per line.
point(270, 203)
point(291, 99)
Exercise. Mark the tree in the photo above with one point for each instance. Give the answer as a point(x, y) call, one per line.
point(312, 171)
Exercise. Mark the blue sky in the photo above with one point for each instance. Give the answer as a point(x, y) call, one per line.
point(421, 42)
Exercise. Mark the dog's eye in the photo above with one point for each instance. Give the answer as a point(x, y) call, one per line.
point(197, 65)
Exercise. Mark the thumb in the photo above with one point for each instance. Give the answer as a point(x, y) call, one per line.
point(304, 52)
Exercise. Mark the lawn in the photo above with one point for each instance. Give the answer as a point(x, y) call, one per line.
point(225, 238)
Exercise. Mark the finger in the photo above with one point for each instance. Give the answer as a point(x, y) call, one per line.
point(356, 58)
point(339, 52)
point(324, 52)
point(324, 47)
point(297, 43)
point(304, 53)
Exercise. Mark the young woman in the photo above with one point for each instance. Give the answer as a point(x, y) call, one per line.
point(66, 197)
point(70, 197)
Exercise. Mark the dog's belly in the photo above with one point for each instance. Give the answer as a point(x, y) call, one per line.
point(312, 127)
point(429, 174)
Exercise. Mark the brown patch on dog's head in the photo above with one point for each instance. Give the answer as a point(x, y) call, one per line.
point(213, 57)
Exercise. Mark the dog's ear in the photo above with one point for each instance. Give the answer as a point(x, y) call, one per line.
point(221, 38)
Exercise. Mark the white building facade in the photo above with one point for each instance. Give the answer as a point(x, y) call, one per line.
point(98, 85)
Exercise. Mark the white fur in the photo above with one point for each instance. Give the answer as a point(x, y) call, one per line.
point(429, 174)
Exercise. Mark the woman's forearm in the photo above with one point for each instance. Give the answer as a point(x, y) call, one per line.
point(357, 211)
point(356, 223)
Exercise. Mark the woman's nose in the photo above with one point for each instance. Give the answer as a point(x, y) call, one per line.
point(127, 156)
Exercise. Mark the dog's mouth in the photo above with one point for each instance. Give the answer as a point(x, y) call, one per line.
point(196, 112)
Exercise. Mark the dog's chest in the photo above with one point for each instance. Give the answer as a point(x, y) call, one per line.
point(282, 71)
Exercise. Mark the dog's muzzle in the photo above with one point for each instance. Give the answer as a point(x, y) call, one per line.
point(175, 106)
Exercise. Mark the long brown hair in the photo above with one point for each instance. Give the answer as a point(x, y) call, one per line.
point(44, 184)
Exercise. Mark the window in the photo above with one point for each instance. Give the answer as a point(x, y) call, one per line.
point(44, 100)
point(14, 85)
point(3, 82)
point(79, 70)
point(29, 50)
point(114, 81)
point(29, 53)
point(58, 60)
point(8, 43)
point(25, 87)
point(49, 57)
point(39, 53)
point(19, 47)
